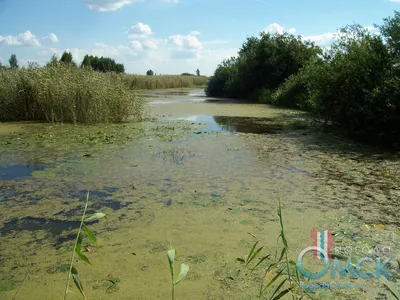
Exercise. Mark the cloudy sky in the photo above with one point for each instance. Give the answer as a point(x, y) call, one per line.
point(169, 36)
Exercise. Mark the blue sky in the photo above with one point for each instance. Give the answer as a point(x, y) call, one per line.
point(169, 36)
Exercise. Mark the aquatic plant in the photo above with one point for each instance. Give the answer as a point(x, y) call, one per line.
point(63, 93)
point(182, 274)
point(143, 82)
point(78, 249)
point(285, 270)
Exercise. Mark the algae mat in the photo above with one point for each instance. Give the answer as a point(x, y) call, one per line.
point(202, 176)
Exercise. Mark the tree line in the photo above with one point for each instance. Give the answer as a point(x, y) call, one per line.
point(101, 64)
point(354, 85)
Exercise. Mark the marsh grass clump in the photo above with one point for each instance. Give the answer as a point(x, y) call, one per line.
point(64, 93)
point(142, 82)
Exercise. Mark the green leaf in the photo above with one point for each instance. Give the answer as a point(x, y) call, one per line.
point(254, 255)
point(78, 245)
point(260, 261)
point(171, 261)
point(278, 288)
point(251, 251)
point(283, 293)
point(282, 254)
point(78, 249)
point(90, 235)
point(95, 216)
point(240, 260)
point(273, 280)
point(184, 271)
point(78, 283)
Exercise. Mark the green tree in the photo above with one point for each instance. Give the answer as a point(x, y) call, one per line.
point(67, 58)
point(197, 72)
point(53, 61)
point(102, 64)
point(262, 65)
point(86, 62)
point(391, 32)
point(13, 62)
point(149, 73)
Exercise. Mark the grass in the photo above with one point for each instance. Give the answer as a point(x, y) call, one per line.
point(67, 94)
point(64, 93)
point(142, 82)
point(285, 275)
point(77, 250)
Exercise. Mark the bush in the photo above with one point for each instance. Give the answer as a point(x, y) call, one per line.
point(262, 64)
point(62, 93)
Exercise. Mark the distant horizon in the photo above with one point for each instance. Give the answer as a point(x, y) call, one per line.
point(168, 36)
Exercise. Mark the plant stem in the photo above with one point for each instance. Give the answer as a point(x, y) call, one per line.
point(173, 291)
point(73, 252)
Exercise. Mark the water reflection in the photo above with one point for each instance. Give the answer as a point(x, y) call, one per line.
point(237, 124)
point(11, 172)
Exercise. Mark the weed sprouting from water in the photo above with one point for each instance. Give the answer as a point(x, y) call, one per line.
point(182, 274)
point(174, 155)
point(284, 270)
point(78, 249)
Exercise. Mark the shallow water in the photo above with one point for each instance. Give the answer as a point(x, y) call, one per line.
point(203, 177)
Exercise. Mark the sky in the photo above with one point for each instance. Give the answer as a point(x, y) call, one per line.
point(169, 36)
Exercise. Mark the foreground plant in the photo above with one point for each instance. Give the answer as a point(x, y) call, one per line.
point(287, 276)
point(184, 271)
point(78, 249)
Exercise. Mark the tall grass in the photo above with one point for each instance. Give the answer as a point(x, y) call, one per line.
point(63, 93)
point(142, 82)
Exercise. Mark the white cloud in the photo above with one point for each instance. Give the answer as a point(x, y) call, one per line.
point(323, 40)
point(149, 44)
point(172, 1)
point(184, 41)
point(292, 30)
point(195, 32)
point(136, 45)
point(24, 39)
point(274, 28)
point(53, 38)
point(139, 30)
point(184, 46)
point(395, 1)
point(106, 5)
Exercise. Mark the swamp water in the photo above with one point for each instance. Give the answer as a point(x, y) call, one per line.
point(203, 176)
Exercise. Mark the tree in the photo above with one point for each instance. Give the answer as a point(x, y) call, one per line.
point(86, 62)
point(66, 58)
point(53, 61)
point(149, 73)
point(197, 72)
point(391, 32)
point(262, 65)
point(13, 62)
point(102, 64)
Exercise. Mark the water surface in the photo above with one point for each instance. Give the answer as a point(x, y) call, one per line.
point(203, 177)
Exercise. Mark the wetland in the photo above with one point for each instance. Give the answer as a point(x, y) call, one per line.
point(202, 175)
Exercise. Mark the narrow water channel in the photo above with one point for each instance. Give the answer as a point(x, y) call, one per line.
point(202, 176)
